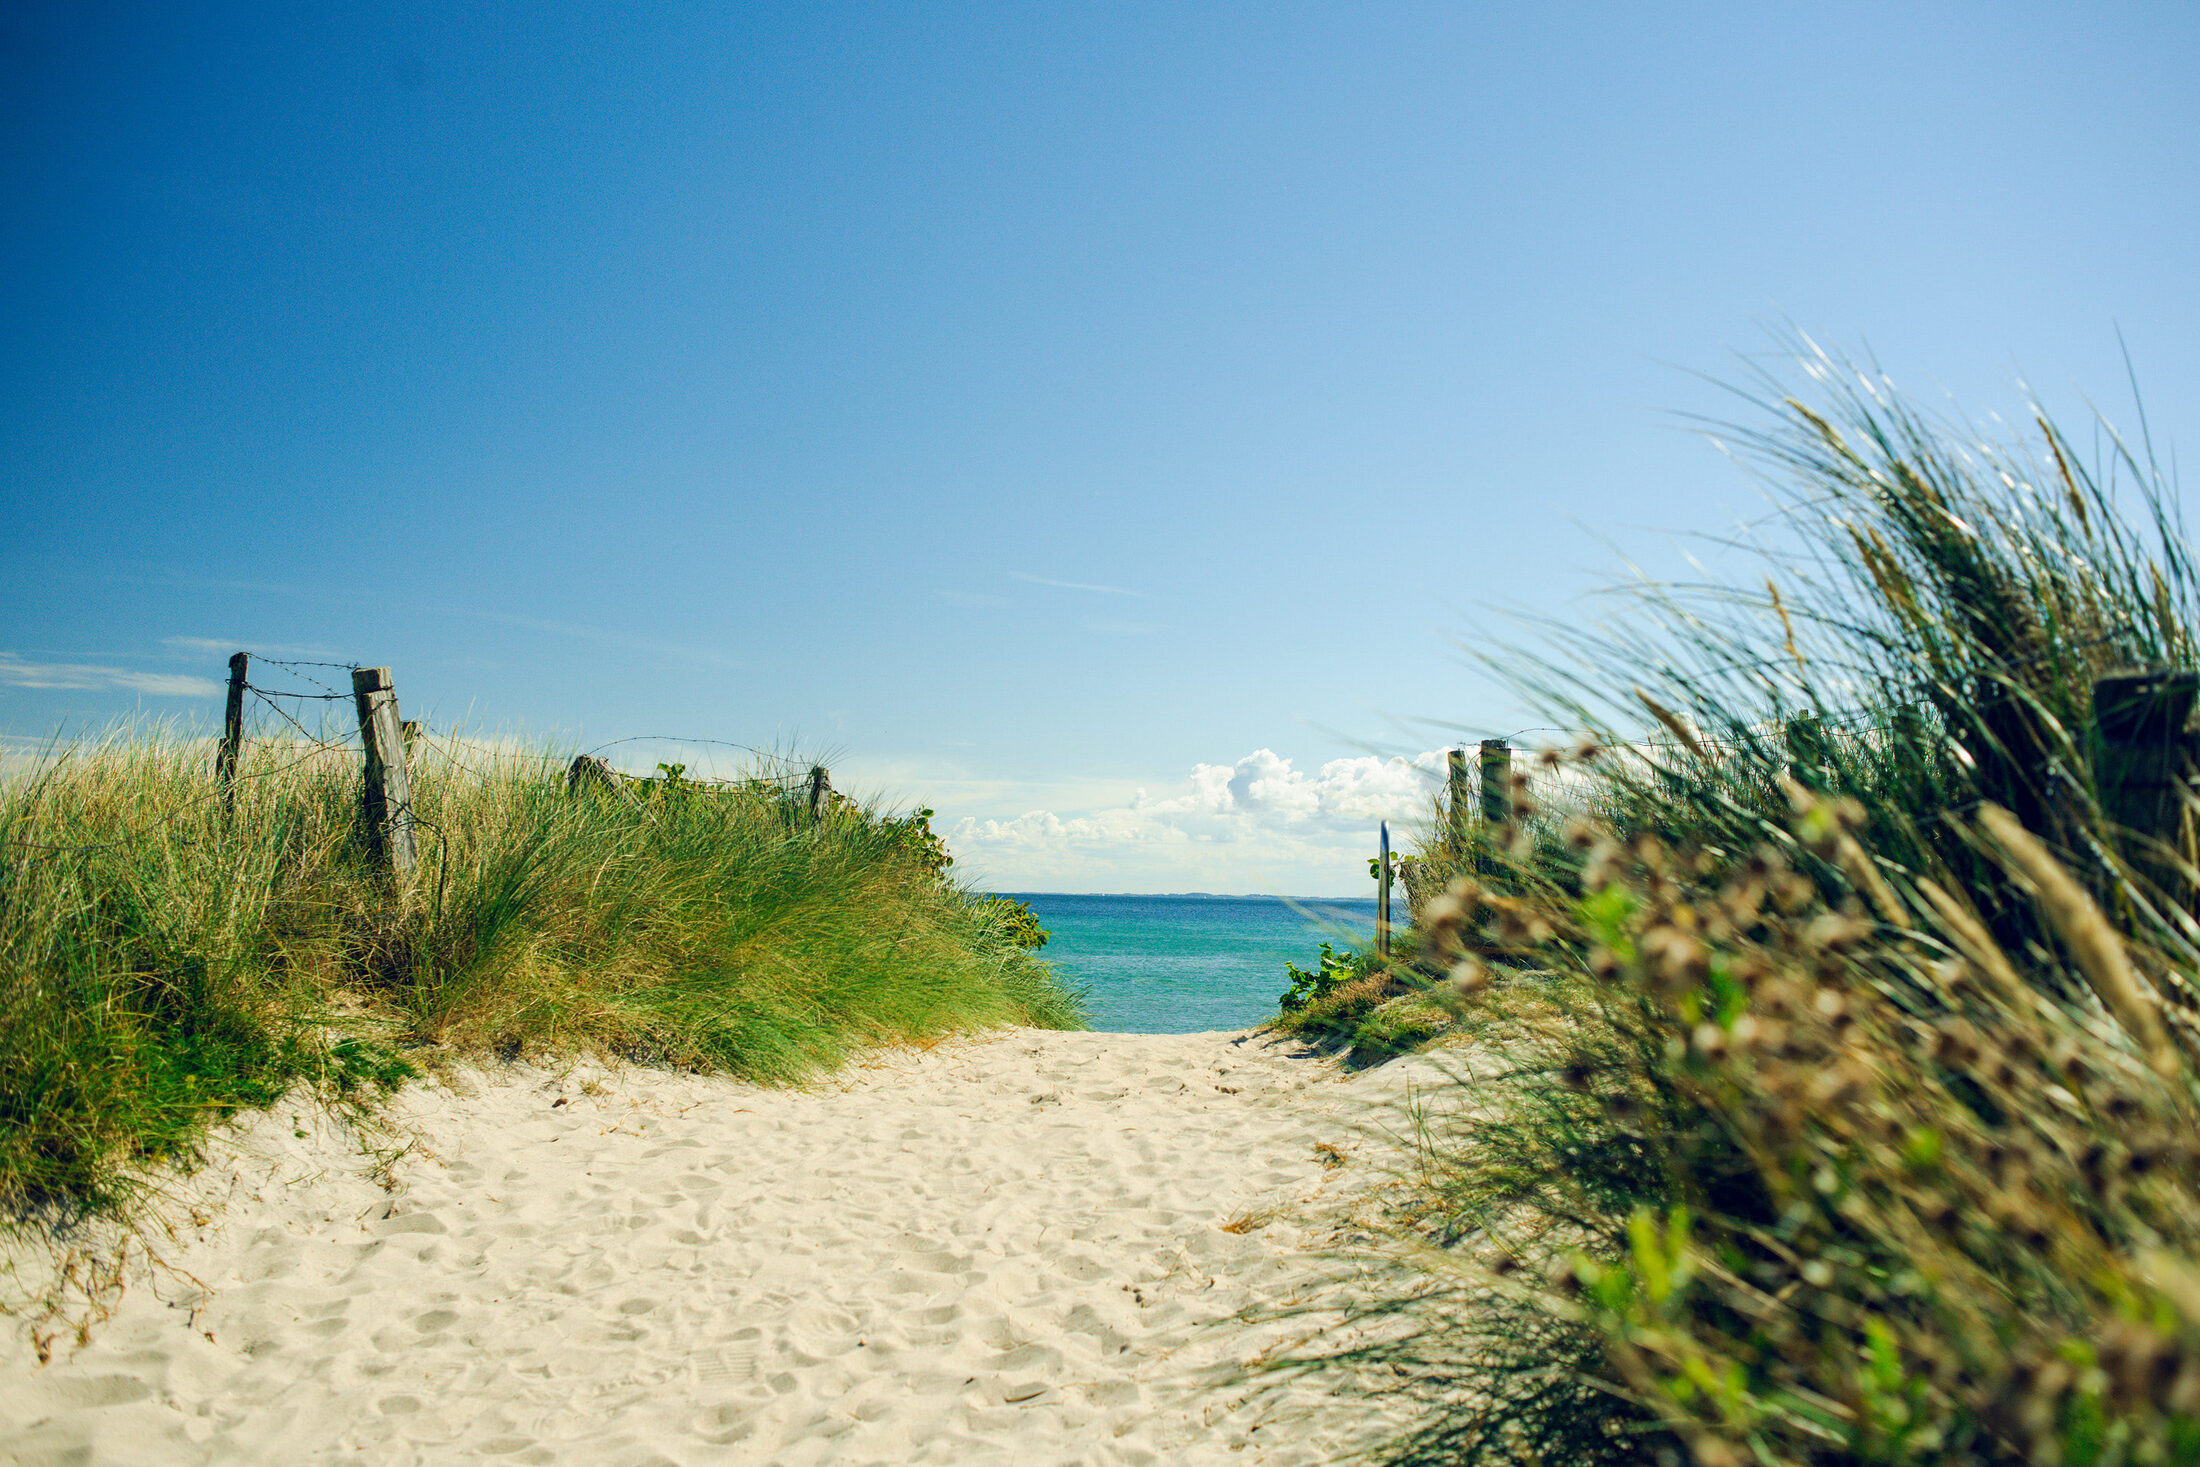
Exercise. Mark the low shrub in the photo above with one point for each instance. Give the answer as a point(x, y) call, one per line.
point(1312, 987)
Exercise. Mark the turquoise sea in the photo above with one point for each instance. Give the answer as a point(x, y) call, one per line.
point(1179, 964)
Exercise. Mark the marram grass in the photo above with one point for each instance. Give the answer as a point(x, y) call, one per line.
point(1835, 1086)
point(165, 961)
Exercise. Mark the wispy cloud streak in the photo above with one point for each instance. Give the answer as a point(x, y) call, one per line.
point(220, 647)
point(18, 672)
point(1027, 578)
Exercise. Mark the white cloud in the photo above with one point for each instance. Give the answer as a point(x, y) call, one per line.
point(17, 672)
point(1260, 824)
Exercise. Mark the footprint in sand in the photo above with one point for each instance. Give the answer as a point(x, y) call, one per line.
point(927, 1262)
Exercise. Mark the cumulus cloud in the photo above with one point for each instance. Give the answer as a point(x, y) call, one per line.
point(18, 672)
point(1259, 824)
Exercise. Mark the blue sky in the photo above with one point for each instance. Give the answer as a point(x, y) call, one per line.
point(1033, 406)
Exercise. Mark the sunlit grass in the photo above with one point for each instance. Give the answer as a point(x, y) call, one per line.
point(1834, 1084)
point(167, 961)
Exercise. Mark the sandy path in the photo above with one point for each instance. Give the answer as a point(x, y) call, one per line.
point(1003, 1250)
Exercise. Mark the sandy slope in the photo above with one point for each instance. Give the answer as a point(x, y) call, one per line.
point(1001, 1250)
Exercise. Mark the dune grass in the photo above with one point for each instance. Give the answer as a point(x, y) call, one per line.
point(1835, 1083)
point(167, 962)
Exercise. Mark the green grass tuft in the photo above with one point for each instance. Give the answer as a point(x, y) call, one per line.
point(1835, 1059)
point(166, 964)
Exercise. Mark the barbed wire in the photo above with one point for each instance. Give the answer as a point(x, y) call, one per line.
point(677, 739)
point(299, 662)
point(317, 747)
point(445, 750)
point(292, 667)
point(310, 738)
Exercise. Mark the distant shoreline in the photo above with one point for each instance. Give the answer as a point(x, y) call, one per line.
point(1207, 896)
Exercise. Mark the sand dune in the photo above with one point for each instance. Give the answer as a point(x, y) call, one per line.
point(1007, 1250)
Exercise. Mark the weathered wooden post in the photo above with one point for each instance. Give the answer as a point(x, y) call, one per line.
point(2142, 767)
point(1382, 893)
point(388, 800)
point(1497, 770)
point(587, 769)
point(1460, 813)
point(821, 791)
point(225, 763)
point(1810, 752)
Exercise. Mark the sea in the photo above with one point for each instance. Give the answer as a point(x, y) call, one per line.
point(1186, 963)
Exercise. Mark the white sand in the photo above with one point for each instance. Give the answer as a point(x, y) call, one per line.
point(1007, 1250)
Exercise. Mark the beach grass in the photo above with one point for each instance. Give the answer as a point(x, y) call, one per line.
point(168, 960)
point(1834, 1074)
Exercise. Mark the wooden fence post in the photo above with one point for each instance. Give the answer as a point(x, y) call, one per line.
point(1810, 752)
point(225, 763)
point(388, 800)
point(1460, 812)
point(821, 790)
point(1382, 894)
point(589, 770)
point(2142, 764)
point(1497, 769)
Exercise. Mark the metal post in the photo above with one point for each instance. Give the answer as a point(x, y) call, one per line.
point(1382, 895)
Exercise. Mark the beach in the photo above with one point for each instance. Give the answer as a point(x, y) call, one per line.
point(1030, 1247)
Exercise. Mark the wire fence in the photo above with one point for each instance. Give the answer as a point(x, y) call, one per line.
point(263, 712)
point(282, 705)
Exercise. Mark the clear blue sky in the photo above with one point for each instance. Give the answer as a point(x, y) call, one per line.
point(1031, 404)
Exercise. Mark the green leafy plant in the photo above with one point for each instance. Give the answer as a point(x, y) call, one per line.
point(914, 835)
point(1019, 922)
point(1330, 972)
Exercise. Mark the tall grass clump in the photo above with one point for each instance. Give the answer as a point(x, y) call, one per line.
point(1835, 1094)
point(165, 960)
